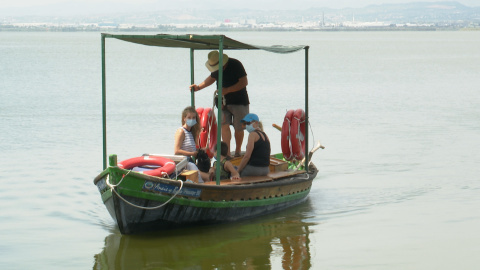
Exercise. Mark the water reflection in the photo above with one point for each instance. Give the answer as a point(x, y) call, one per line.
point(259, 244)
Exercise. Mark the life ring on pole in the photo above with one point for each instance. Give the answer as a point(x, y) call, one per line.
point(297, 134)
point(200, 112)
point(285, 139)
point(166, 166)
point(208, 132)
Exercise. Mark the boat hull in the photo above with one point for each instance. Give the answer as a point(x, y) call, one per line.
point(140, 203)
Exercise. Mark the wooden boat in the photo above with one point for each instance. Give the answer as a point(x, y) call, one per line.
point(139, 202)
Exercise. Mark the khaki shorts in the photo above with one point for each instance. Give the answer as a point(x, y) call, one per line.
point(233, 115)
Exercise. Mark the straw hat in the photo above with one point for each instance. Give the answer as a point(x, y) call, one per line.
point(212, 62)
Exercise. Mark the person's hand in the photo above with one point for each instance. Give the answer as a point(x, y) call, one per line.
point(194, 86)
point(195, 154)
point(235, 178)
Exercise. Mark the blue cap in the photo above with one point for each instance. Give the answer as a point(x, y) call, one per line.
point(250, 117)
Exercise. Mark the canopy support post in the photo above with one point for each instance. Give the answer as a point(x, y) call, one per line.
point(192, 77)
point(104, 105)
point(306, 110)
point(219, 102)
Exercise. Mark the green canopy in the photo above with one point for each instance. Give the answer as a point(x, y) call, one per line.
point(200, 42)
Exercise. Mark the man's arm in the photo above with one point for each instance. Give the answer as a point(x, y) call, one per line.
point(206, 83)
point(242, 83)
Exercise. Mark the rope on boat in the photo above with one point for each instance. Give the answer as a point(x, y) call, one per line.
point(112, 188)
point(313, 150)
point(213, 111)
point(306, 174)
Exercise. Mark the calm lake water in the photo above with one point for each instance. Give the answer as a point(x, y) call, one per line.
point(399, 180)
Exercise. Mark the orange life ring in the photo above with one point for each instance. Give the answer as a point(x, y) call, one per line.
point(208, 133)
point(285, 139)
point(297, 134)
point(167, 166)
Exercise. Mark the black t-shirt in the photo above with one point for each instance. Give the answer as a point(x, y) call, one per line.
point(261, 151)
point(232, 73)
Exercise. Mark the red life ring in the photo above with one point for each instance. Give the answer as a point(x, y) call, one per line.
point(297, 134)
point(208, 133)
point(285, 139)
point(167, 166)
point(200, 112)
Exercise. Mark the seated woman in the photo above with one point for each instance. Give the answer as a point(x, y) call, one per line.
point(227, 171)
point(257, 155)
point(186, 140)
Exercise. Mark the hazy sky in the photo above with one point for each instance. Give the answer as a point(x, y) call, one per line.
point(207, 4)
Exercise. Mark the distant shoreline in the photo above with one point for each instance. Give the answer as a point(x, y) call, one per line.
point(227, 29)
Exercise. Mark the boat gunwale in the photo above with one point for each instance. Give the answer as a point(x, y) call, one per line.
point(294, 179)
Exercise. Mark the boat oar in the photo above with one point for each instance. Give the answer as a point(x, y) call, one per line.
point(277, 127)
point(310, 154)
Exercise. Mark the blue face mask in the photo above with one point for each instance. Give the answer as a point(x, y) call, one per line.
point(249, 128)
point(191, 122)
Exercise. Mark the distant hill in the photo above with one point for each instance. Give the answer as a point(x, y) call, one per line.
point(417, 12)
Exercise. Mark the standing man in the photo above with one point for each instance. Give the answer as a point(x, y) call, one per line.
point(234, 91)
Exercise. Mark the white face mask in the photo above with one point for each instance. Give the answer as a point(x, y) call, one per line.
point(249, 128)
point(191, 122)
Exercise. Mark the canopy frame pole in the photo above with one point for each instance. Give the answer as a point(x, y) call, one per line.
point(219, 107)
point(104, 105)
point(306, 110)
point(192, 76)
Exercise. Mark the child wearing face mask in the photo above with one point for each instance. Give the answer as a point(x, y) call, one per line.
point(256, 160)
point(186, 139)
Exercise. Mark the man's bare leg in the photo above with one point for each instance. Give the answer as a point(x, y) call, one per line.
point(238, 141)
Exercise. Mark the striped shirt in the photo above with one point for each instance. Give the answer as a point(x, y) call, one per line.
point(189, 143)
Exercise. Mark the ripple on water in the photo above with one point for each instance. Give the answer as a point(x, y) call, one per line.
point(337, 197)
